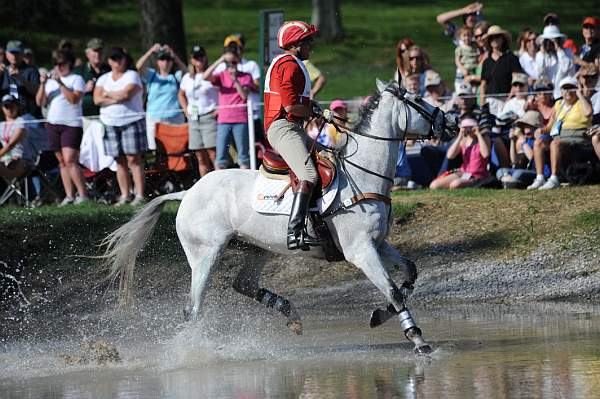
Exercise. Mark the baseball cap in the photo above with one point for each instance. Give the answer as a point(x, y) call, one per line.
point(95, 44)
point(543, 84)
point(463, 90)
point(335, 104)
point(198, 52)
point(14, 46)
point(468, 122)
point(594, 21)
point(432, 79)
point(519, 78)
point(235, 38)
point(568, 81)
point(8, 99)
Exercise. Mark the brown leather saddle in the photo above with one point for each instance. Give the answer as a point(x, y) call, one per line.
point(274, 163)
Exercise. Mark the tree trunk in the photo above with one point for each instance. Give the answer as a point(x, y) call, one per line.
point(162, 22)
point(327, 17)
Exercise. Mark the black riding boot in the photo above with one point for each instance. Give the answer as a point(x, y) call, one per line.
point(297, 237)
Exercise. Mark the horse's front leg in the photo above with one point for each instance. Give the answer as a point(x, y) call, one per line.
point(392, 258)
point(363, 254)
point(247, 283)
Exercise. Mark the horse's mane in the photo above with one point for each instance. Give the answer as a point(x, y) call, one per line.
point(366, 111)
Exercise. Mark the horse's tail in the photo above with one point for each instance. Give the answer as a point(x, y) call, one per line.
point(123, 244)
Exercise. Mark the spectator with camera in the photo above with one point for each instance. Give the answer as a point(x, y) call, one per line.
point(198, 98)
point(234, 88)
point(119, 95)
point(17, 156)
point(237, 44)
point(566, 129)
point(90, 71)
point(475, 149)
point(62, 91)
point(162, 88)
point(552, 60)
point(20, 80)
point(522, 171)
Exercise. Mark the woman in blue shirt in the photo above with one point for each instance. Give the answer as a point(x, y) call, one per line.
point(162, 87)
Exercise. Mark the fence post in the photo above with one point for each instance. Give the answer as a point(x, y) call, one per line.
point(251, 145)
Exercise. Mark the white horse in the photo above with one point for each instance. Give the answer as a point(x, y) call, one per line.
point(218, 208)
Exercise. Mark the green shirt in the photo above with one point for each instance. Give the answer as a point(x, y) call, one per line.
point(88, 73)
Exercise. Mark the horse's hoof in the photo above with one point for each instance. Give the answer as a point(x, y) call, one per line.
point(295, 327)
point(423, 350)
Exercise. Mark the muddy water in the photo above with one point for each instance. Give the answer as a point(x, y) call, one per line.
point(491, 351)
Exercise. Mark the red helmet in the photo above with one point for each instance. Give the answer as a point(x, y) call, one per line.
point(292, 32)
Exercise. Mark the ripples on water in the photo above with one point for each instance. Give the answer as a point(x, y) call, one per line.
point(493, 351)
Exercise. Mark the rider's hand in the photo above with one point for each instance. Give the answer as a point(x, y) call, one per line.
point(316, 109)
point(328, 115)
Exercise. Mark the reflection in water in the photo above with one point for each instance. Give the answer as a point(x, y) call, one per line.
point(492, 352)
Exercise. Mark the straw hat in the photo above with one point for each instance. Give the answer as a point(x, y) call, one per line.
point(496, 30)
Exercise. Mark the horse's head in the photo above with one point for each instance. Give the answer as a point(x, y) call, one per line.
point(419, 119)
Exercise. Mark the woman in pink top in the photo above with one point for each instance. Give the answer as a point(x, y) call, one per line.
point(475, 150)
point(234, 87)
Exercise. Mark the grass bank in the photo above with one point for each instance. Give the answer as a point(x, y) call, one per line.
point(372, 31)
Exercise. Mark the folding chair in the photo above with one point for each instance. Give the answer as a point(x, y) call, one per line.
point(173, 168)
point(42, 183)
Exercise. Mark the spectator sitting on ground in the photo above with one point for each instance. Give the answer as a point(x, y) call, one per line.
point(497, 69)
point(590, 50)
point(595, 131)
point(237, 44)
point(62, 92)
point(475, 148)
point(521, 137)
point(234, 88)
point(90, 72)
point(518, 95)
point(16, 155)
point(402, 61)
point(198, 98)
point(119, 94)
point(552, 61)
point(436, 89)
point(543, 101)
point(528, 47)
point(570, 120)
point(470, 14)
point(162, 88)
point(466, 56)
point(317, 79)
point(20, 79)
point(339, 109)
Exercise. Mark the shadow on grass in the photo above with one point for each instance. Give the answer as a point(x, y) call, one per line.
point(478, 245)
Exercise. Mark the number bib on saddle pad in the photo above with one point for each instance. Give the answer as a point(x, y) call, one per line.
point(267, 191)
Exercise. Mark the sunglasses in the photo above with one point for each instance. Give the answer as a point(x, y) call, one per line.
point(591, 27)
point(418, 57)
point(60, 64)
point(518, 84)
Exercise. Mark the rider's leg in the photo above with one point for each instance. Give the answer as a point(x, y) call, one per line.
point(290, 140)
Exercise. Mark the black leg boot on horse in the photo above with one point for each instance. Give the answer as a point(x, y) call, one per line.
point(297, 236)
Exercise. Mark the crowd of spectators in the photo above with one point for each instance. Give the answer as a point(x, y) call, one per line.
point(525, 115)
point(543, 100)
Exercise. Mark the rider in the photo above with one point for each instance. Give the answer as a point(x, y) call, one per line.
point(287, 105)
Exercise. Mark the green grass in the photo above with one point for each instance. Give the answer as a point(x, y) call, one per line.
point(372, 31)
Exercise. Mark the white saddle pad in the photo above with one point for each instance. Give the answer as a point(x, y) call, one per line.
point(266, 191)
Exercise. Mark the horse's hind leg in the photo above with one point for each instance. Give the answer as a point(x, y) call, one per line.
point(247, 283)
point(202, 260)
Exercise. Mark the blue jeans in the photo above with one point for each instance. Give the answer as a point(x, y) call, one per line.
point(240, 135)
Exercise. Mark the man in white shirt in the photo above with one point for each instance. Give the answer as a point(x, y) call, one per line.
point(519, 90)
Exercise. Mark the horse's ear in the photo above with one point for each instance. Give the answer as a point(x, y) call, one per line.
point(381, 85)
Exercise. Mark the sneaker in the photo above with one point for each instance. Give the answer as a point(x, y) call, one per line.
point(412, 185)
point(138, 200)
point(81, 200)
point(552, 183)
point(66, 201)
point(122, 201)
point(537, 183)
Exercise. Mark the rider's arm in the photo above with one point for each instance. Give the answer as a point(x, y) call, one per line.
point(291, 88)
